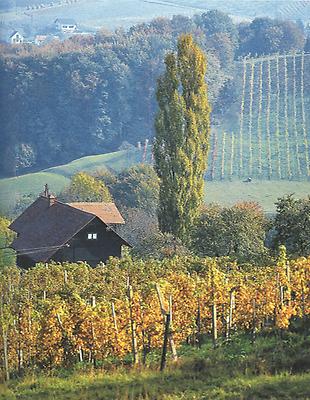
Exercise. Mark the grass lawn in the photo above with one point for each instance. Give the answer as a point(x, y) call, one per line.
point(263, 192)
point(171, 385)
point(274, 367)
point(12, 189)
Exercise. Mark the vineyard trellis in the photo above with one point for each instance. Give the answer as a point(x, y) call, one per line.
point(57, 315)
point(273, 134)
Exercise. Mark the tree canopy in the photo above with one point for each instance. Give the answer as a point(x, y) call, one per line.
point(84, 187)
point(238, 232)
point(182, 132)
point(292, 225)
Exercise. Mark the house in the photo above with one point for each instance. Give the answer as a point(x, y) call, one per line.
point(66, 25)
point(40, 39)
point(16, 38)
point(51, 230)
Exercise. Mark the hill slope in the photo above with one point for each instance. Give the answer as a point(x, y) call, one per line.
point(265, 192)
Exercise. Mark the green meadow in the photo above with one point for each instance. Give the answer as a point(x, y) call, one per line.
point(225, 192)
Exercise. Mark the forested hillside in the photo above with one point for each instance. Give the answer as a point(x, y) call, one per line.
point(90, 95)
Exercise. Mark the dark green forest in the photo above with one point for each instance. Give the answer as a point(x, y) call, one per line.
point(90, 95)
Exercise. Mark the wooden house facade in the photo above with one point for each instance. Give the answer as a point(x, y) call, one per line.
point(51, 230)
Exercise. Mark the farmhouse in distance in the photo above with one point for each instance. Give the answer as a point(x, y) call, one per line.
point(51, 230)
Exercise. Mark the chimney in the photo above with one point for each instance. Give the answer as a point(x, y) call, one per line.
point(46, 190)
point(51, 200)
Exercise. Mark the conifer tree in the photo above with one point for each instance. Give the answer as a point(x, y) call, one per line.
point(182, 132)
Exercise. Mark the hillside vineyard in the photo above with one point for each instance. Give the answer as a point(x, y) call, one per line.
point(272, 140)
point(78, 313)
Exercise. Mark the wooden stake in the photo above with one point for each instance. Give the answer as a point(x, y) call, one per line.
point(172, 344)
point(80, 354)
point(165, 344)
point(231, 307)
point(5, 345)
point(5, 355)
point(198, 323)
point(114, 318)
point(115, 324)
point(163, 310)
point(133, 328)
point(65, 277)
point(214, 324)
point(254, 321)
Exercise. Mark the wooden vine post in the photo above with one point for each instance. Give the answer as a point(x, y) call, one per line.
point(198, 323)
point(254, 320)
point(172, 344)
point(133, 326)
point(5, 344)
point(231, 308)
point(115, 325)
point(214, 324)
point(92, 353)
point(213, 311)
point(167, 315)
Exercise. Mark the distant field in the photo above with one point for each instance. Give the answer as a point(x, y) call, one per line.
point(226, 192)
point(263, 192)
point(114, 13)
point(99, 13)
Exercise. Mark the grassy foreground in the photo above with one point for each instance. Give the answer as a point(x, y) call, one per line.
point(274, 367)
point(171, 385)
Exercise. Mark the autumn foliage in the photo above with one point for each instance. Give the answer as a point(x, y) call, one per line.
point(57, 315)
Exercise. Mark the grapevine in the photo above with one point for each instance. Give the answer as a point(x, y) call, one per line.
point(250, 127)
point(78, 323)
point(259, 118)
point(303, 115)
point(295, 118)
point(242, 118)
point(288, 158)
point(268, 120)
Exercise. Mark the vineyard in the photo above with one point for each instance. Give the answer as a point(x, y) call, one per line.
point(272, 139)
point(59, 315)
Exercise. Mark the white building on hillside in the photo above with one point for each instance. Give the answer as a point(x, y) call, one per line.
point(16, 38)
point(66, 25)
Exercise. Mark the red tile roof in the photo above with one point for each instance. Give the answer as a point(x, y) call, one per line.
point(107, 212)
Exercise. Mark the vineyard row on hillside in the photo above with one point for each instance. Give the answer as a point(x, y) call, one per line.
point(61, 314)
point(273, 138)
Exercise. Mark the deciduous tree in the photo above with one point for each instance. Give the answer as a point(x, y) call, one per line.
point(182, 133)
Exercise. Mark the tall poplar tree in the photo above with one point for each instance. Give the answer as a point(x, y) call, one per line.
point(182, 132)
